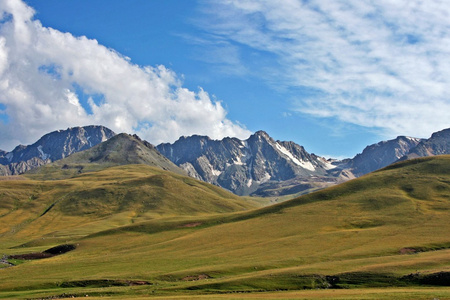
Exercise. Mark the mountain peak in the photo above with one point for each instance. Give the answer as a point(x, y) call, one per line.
point(261, 133)
point(260, 136)
point(195, 137)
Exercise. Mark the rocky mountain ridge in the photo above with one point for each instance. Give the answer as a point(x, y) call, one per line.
point(380, 155)
point(437, 144)
point(243, 166)
point(51, 147)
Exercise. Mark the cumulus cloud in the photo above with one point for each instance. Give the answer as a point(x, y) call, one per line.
point(53, 80)
point(380, 64)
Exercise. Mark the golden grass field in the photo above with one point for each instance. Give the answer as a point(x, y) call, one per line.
point(142, 232)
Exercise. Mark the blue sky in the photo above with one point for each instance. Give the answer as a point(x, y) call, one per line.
point(333, 76)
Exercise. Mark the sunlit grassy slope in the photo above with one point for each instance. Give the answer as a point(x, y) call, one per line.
point(37, 212)
point(366, 233)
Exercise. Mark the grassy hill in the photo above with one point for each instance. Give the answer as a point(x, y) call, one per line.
point(35, 211)
point(384, 235)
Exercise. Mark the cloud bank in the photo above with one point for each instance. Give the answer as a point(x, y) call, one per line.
point(52, 80)
point(379, 64)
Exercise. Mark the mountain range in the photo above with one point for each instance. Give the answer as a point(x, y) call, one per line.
point(258, 166)
point(261, 166)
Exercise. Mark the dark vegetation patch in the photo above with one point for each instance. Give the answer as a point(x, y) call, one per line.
point(77, 167)
point(366, 279)
point(418, 249)
point(279, 282)
point(440, 279)
point(284, 282)
point(54, 251)
point(102, 283)
point(363, 279)
point(48, 209)
point(31, 256)
point(61, 249)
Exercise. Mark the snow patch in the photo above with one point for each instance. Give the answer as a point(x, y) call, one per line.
point(44, 156)
point(326, 164)
point(304, 164)
point(238, 161)
point(307, 165)
point(249, 182)
point(215, 172)
point(104, 138)
point(413, 139)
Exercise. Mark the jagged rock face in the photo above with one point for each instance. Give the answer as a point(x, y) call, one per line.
point(382, 154)
point(52, 146)
point(207, 159)
point(437, 144)
point(242, 166)
point(23, 166)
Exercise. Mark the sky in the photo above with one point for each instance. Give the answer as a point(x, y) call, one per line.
point(330, 75)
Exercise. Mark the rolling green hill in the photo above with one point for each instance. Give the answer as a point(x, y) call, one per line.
point(384, 235)
point(46, 210)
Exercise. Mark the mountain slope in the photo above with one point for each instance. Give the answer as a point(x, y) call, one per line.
point(122, 149)
point(243, 166)
point(52, 146)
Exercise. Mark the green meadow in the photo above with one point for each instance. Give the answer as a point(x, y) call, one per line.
point(140, 232)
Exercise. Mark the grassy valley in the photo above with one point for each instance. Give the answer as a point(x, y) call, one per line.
point(141, 231)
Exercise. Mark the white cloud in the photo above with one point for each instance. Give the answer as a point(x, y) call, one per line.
point(44, 75)
point(372, 63)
